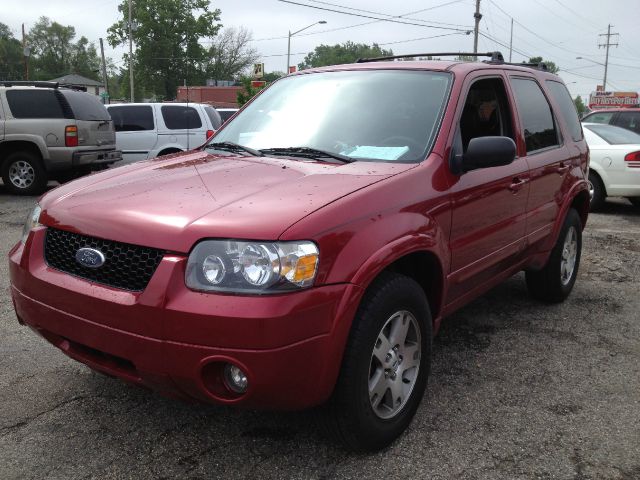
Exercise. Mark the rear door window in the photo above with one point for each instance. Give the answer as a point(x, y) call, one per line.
point(535, 115)
point(567, 108)
point(132, 118)
point(86, 106)
point(629, 120)
point(29, 103)
point(179, 117)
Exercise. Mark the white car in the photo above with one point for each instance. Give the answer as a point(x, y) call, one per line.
point(148, 130)
point(614, 170)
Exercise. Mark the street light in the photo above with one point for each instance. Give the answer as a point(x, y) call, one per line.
point(321, 22)
point(604, 81)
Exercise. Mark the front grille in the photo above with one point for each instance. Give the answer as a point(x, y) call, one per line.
point(126, 266)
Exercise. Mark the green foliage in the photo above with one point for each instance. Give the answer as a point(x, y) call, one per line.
point(551, 66)
point(11, 59)
point(166, 35)
point(272, 76)
point(54, 54)
point(581, 108)
point(347, 52)
point(247, 92)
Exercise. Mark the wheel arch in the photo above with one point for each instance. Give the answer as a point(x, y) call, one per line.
point(9, 147)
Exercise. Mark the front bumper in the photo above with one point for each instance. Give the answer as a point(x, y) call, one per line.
point(176, 341)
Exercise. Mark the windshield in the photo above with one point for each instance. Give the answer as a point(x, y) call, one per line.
point(383, 115)
point(615, 135)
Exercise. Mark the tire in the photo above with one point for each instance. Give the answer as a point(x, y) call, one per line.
point(597, 191)
point(635, 201)
point(555, 281)
point(24, 174)
point(363, 413)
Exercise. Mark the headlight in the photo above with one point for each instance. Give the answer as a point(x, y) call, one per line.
point(251, 267)
point(32, 221)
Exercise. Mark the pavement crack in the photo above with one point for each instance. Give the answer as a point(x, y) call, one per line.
point(22, 423)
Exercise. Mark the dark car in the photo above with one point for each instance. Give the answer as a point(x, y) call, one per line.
point(628, 118)
point(308, 254)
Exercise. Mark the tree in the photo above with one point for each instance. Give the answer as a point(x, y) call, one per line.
point(247, 92)
point(552, 67)
point(54, 54)
point(347, 52)
point(166, 36)
point(581, 108)
point(231, 54)
point(272, 76)
point(11, 61)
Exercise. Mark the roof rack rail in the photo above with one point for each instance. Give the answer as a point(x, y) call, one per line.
point(495, 56)
point(26, 83)
point(540, 66)
point(41, 84)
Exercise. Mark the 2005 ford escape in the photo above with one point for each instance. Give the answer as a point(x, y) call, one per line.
point(308, 254)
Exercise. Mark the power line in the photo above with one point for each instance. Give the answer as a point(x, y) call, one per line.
point(374, 18)
point(406, 15)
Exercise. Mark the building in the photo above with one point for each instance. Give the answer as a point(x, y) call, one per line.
point(92, 86)
point(218, 97)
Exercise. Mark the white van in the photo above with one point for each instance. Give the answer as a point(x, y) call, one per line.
point(148, 130)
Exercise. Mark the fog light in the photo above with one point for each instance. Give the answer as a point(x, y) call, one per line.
point(235, 378)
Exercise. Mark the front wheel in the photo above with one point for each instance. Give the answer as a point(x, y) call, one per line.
point(554, 282)
point(385, 366)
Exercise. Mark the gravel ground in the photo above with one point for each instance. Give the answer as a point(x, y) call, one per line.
point(518, 390)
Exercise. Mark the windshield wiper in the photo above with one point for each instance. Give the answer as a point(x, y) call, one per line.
point(307, 152)
point(234, 147)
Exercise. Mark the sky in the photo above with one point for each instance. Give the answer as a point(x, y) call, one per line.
point(557, 30)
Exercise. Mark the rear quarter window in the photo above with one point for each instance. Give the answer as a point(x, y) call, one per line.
point(214, 117)
point(132, 118)
point(29, 103)
point(178, 117)
point(599, 117)
point(86, 106)
point(567, 108)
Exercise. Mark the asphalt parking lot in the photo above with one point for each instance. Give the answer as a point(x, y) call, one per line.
point(518, 390)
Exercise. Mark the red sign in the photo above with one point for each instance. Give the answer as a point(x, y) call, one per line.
point(600, 99)
point(258, 83)
point(292, 69)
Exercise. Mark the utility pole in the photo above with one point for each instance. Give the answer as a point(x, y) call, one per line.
point(477, 16)
point(511, 41)
point(24, 55)
point(130, 56)
point(104, 73)
point(606, 58)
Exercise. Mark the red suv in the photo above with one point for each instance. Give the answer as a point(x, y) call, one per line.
point(307, 255)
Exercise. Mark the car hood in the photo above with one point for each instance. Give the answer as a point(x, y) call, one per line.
point(173, 202)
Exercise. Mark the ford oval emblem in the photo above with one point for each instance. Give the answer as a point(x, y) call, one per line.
point(90, 257)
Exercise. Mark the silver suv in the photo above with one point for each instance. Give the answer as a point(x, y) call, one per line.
point(51, 132)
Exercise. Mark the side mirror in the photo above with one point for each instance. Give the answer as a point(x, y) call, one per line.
point(485, 152)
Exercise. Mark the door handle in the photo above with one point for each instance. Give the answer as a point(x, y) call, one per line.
point(563, 167)
point(517, 183)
